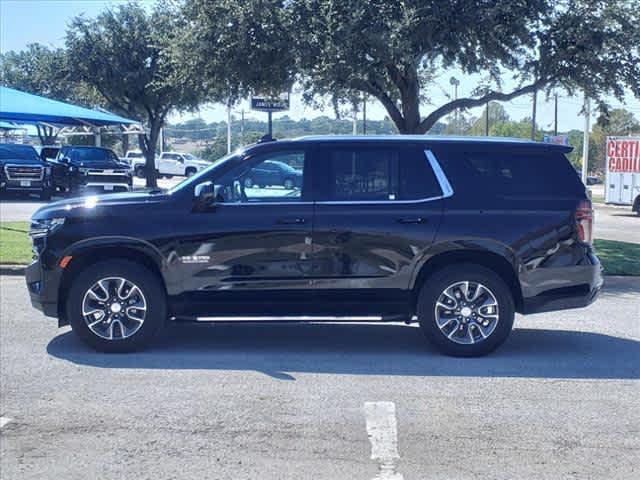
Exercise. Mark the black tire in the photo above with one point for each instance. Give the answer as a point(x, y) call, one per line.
point(190, 171)
point(148, 283)
point(437, 283)
point(45, 195)
point(139, 171)
point(288, 183)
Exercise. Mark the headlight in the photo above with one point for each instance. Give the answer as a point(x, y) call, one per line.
point(43, 228)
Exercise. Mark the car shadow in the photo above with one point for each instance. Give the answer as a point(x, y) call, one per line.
point(282, 350)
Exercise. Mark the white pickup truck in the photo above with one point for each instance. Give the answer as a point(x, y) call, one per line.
point(168, 164)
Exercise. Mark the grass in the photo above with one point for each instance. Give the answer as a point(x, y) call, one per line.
point(618, 258)
point(15, 246)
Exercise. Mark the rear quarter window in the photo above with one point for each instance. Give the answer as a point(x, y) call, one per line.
point(531, 172)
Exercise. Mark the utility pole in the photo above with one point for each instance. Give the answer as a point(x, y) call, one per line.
point(585, 138)
point(455, 82)
point(229, 126)
point(533, 115)
point(355, 121)
point(486, 121)
point(555, 115)
point(242, 126)
point(364, 115)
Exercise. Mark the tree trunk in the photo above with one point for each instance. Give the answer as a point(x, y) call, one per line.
point(125, 144)
point(410, 99)
point(148, 148)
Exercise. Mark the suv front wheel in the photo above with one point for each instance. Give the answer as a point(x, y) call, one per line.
point(116, 306)
point(466, 310)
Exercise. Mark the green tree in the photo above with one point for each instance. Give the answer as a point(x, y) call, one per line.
point(237, 47)
point(44, 71)
point(393, 50)
point(126, 54)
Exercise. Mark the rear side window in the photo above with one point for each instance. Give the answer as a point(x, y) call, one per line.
point(510, 173)
point(361, 174)
point(379, 174)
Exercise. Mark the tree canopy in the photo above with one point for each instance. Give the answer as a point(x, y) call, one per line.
point(126, 54)
point(44, 71)
point(394, 50)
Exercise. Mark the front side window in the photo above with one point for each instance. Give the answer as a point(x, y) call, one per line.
point(257, 181)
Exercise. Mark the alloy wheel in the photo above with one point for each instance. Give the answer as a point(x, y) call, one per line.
point(467, 312)
point(114, 308)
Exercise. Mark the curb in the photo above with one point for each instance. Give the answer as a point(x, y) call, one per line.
point(16, 270)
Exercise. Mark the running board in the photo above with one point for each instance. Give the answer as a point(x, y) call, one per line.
point(302, 318)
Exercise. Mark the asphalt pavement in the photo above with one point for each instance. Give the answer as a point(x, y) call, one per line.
point(341, 401)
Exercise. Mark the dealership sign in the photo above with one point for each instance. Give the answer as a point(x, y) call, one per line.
point(270, 104)
point(623, 154)
point(556, 139)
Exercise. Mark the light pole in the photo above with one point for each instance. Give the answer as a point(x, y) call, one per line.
point(455, 82)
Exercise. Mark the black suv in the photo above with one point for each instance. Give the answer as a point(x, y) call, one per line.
point(80, 170)
point(22, 171)
point(455, 234)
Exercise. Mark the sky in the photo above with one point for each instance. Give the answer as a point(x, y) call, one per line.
point(44, 21)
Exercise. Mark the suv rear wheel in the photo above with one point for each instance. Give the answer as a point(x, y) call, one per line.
point(466, 310)
point(116, 306)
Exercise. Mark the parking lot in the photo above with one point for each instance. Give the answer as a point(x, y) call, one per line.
point(293, 401)
point(559, 400)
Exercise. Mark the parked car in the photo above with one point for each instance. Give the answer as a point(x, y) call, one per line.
point(80, 170)
point(593, 180)
point(455, 234)
point(22, 171)
point(169, 164)
point(274, 173)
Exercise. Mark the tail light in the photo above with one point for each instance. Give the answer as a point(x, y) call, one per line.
point(584, 221)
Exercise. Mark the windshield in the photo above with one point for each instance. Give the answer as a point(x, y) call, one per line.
point(88, 155)
point(203, 174)
point(188, 156)
point(24, 152)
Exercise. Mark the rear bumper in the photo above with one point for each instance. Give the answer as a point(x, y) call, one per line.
point(563, 288)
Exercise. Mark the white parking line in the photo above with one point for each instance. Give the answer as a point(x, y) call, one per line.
point(4, 421)
point(383, 434)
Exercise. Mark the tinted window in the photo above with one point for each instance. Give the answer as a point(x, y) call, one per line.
point(361, 174)
point(417, 179)
point(18, 151)
point(376, 174)
point(88, 155)
point(510, 173)
point(259, 180)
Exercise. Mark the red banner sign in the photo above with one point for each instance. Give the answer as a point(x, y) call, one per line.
point(623, 155)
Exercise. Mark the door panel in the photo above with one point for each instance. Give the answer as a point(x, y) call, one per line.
point(251, 250)
point(372, 227)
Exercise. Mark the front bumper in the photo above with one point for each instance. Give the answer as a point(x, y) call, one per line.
point(21, 186)
point(43, 285)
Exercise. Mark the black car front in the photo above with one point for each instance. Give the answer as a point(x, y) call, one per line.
point(22, 171)
point(95, 170)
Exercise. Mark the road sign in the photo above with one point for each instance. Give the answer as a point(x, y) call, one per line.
point(270, 104)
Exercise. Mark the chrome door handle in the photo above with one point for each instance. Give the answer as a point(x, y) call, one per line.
point(408, 220)
point(291, 221)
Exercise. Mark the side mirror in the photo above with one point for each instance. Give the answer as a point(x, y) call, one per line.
point(206, 194)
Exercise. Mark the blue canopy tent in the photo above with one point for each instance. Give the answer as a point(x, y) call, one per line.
point(52, 117)
point(22, 107)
